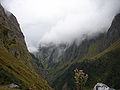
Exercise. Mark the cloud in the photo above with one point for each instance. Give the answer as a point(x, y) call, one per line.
point(58, 21)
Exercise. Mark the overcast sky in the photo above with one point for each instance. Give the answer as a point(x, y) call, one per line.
point(44, 21)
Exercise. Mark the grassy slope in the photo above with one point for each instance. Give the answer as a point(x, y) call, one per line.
point(114, 46)
point(18, 72)
point(14, 45)
point(99, 67)
point(57, 70)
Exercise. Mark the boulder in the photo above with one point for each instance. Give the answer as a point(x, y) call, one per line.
point(13, 85)
point(101, 86)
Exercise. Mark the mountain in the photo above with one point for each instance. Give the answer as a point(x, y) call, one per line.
point(11, 37)
point(50, 53)
point(101, 62)
point(74, 51)
point(15, 61)
point(38, 66)
point(98, 56)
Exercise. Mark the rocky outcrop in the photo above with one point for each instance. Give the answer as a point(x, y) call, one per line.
point(8, 20)
point(11, 37)
point(101, 86)
point(13, 85)
point(113, 33)
point(15, 61)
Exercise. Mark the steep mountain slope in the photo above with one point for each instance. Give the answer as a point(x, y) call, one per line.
point(101, 62)
point(14, 71)
point(102, 68)
point(39, 67)
point(15, 60)
point(84, 49)
point(11, 37)
point(75, 55)
point(50, 53)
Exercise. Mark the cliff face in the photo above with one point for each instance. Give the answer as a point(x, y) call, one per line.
point(15, 61)
point(86, 49)
point(52, 53)
point(100, 60)
point(95, 45)
point(113, 33)
point(11, 37)
point(64, 63)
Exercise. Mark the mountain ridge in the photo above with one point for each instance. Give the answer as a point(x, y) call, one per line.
point(12, 39)
point(105, 63)
point(74, 51)
point(90, 49)
point(15, 61)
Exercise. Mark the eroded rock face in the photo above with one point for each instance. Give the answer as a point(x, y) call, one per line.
point(50, 53)
point(11, 37)
point(101, 86)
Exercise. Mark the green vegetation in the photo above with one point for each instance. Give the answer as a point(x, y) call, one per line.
point(114, 46)
point(14, 44)
point(101, 64)
point(80, 79)
point(3, 88)
point(15, 60)
point(92, 49)
point(104, 68)
point(13, 70)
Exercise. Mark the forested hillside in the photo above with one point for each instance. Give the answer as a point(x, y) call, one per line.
point(98, 56)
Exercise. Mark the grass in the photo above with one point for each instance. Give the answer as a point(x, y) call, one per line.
point(104, 69)
point(114, 46)
point(21, 72)
point(3, 88)
point(14, 44)
point(92, 49)
point(102, 63)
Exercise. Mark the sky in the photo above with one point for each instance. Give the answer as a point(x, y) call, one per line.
point(61, 21)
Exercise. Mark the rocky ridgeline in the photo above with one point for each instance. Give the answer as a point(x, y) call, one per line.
point(16, 67)
point(49, 54)
point(52, 53)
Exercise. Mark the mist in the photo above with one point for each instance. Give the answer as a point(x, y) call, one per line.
point(61, 21)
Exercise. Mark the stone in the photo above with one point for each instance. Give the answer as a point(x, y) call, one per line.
point(13, 85)
point(101, 86)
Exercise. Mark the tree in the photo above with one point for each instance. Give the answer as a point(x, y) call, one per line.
point(80, 79)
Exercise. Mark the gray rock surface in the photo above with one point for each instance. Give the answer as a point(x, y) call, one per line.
point(13, 85)
point(101, 86)
point(11, 37)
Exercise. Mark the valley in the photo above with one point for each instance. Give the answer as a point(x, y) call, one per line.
point(53, 66)
point(95, 56)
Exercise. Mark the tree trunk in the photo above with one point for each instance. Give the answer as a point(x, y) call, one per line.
point(79, 87)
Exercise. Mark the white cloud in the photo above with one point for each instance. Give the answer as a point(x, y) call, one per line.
point(61, 20)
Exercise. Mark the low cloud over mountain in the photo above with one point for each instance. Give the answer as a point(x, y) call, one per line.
point(57, 21)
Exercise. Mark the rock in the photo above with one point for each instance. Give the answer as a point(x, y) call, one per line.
point(101, 86)
point(13, 85)
point(11, 37)
point(51, 53)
